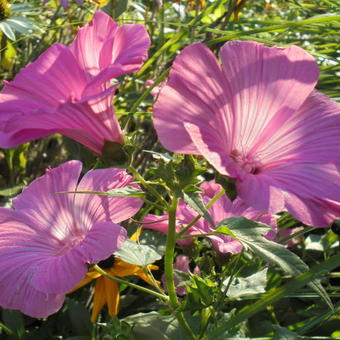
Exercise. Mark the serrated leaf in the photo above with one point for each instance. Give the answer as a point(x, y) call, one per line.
point(134, 253)
point(249, 233)
point(194, 200)
point(250, 285)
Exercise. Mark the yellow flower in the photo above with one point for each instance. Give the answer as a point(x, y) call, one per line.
point(99, 3)
point(106, 291)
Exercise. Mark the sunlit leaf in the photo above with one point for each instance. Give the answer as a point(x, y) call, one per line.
point(134, 253)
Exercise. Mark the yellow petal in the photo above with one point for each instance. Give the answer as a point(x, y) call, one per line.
point(91, 275)
point(122, 268)
point(99, 298)
point(112, 296)
point(135, 236)
point(146, 278)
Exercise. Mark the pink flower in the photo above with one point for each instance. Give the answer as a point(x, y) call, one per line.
point(221, 209)
point(48, 240)
point(67, 89)
point(257, 119)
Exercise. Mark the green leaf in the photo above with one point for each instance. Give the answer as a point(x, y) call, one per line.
point(7, 30)
point(250, 285)
point(120, 7)
point(127, 191)
point(249, 233)
point(154, 326)
point(11, 191)
point(194, 200)
point(134, 253)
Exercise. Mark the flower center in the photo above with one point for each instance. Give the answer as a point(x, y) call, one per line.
point(247, 162)
point(107, 263)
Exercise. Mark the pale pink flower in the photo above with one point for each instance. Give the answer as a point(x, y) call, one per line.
point(67, 89)
point(256, 118)
point(48, 239)
point(223, 208)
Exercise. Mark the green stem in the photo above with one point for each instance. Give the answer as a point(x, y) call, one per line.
point(146, 184)
point(133, 285)
point(210, 203)
point(169, 269)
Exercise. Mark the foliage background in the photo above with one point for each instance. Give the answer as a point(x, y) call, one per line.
point(31, 27)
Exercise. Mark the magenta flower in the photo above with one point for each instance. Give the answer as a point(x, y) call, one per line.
point(257, 119)
point(48, 240)
point(221, 209)
point(67, 89)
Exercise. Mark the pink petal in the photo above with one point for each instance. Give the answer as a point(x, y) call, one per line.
point(224, 244)
point(16, 293)
point(182, 263)
point(193, 94)
point(89, 123)
point(50, 211)
point(28, 104)
point(271, 199)
point(103, 239)
point(59, 274)
point(53, 78)
point(101, 208)
point(159, 223)
point(310, 135)
point(21, 249)
point(102, 43)
point(314, 212)
point(211, 146)
point(262, 87)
